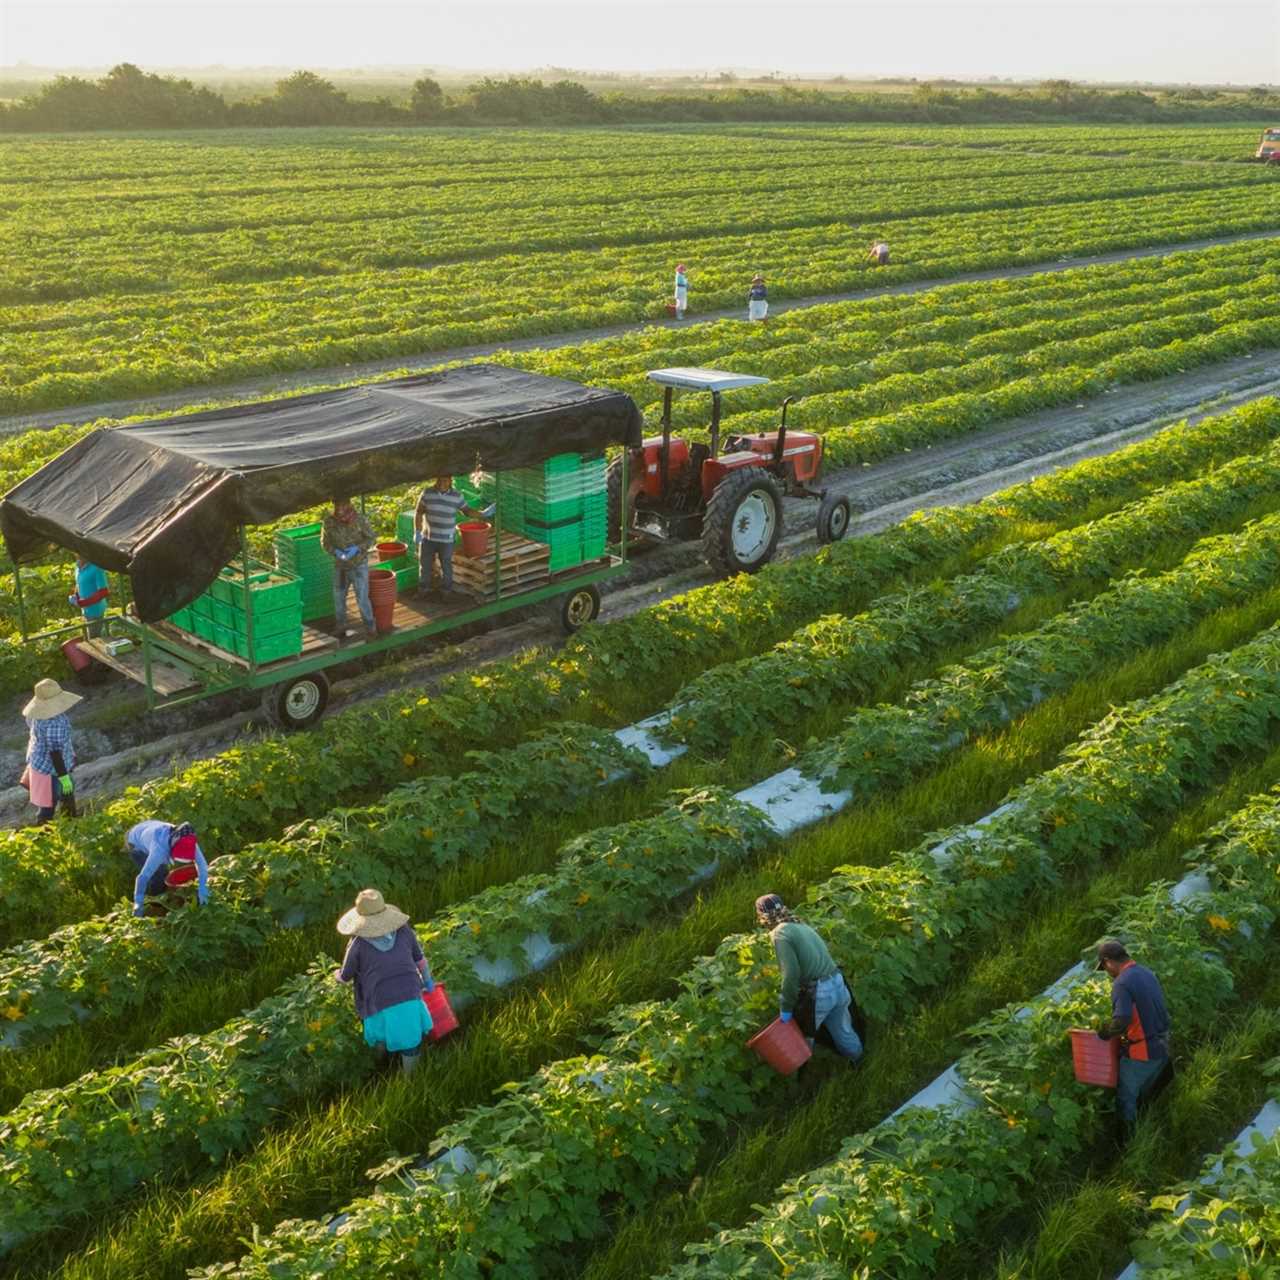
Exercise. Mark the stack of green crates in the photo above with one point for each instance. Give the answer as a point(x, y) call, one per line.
point(564, 503)
point(220, 615)
point(299, 554)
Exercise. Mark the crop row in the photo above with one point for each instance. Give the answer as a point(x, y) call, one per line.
point(254, 790)
point(605, 880)
point(536, 1169)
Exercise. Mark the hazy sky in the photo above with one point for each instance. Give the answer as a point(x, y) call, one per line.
point(1215, 40)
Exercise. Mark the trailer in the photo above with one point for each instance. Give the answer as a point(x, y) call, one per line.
point(169, 504)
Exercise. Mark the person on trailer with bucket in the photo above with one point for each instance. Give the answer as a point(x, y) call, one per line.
point(810, 978)
point(50, 753)
point(1140, 1017)
point(167, 856)
point(435, 524)
point(389, 973)
point(347, 536)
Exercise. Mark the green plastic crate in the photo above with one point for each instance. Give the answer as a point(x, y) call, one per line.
point(268, 624)
point(181, 619)
point(287, 644)
point(203, 627)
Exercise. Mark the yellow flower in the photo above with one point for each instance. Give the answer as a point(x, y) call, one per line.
point(868, 1236)
point(428, 833)
point(582, 899)
point(13, 1013)
point(475, 928)
point(1221, 923)
point(315, 1024)
point(409, 759)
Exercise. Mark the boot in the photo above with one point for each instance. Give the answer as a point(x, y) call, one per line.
point(409, 1060)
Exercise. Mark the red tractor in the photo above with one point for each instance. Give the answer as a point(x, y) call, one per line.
point(728, 493)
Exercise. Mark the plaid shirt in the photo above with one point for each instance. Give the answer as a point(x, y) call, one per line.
point(335, 534)
point(48, 736)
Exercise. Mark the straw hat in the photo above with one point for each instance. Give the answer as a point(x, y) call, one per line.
point(51, 700)
point(371, 917)
point(758, 277)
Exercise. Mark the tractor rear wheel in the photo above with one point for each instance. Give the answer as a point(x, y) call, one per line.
point(743, 521)
point(833, 517)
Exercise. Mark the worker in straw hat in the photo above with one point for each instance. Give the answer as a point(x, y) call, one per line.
point(50, 754)
point(757, 298)
point(390, 973)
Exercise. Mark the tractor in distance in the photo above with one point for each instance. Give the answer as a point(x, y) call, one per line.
point(1269, 148)
point(727, 493)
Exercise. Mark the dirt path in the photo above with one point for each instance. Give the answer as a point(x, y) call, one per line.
point(310, 379)
point(119, 747)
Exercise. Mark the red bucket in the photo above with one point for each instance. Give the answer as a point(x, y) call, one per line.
point(672, 309)
point(475, 537)
point(1096, 1061)
point(76, 656)
point(782, 1046)
point(443, 1018)
point(391, 550)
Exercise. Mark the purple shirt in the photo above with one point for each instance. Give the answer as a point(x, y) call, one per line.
point(383, 978)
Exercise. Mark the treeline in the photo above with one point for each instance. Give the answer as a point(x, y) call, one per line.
point(128, 98)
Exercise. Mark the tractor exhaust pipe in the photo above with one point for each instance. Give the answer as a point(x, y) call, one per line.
point(782, 435)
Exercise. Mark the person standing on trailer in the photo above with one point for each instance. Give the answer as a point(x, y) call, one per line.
point(757, 299)
point(879, 253)
point(167, 856)
point(91, 595)
point(435, 525)
point(388, 972)
point(682, 291)
point(347, 536)
point(51, 755)
point(809, 972)
point(1140, 1017)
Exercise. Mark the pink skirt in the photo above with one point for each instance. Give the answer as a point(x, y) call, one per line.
point(40, 785)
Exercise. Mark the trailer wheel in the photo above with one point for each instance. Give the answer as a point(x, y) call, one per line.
point(833, 517)
point(576, 608)
point(744, 518)
point(297, 704)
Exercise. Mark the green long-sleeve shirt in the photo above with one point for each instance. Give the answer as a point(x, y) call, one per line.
point(803, 958)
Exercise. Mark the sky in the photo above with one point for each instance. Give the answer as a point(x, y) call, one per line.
point(1219, 41)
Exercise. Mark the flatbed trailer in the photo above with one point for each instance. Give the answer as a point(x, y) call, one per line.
point(175, 666)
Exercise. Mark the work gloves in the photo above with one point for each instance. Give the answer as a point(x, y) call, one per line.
point(785, 1016)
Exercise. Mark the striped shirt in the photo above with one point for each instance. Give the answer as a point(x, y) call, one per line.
point(440, 507)
point(48, 736)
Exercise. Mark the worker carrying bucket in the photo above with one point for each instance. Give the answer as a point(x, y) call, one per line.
point(167, 856)
point(814, 993)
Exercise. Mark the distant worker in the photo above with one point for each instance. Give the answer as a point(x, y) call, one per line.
point(435, 524)
point(347, 536)
point(167, 857)
point(682, 291)
point(806, 963)
point(879, 253)
point(385, 963)
point(757, 299)
point(91, 595)
point(50, 753)
point(1140, 1018)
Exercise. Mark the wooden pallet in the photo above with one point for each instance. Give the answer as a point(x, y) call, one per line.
point(313, 642)
point(166, 679)
point(525, 564)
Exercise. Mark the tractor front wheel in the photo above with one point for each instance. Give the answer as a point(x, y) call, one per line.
point(743, 522)
point(833, 517)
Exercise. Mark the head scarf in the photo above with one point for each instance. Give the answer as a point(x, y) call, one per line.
point(773, 911)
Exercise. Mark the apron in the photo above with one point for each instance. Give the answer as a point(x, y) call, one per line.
point(40, 785)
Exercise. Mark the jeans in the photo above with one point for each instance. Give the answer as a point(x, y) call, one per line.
point(1134, 1079)
point(428, 553)
point(346, 576)
point(831, 1010)
point(157, 884)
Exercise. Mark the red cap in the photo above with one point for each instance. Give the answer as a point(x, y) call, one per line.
point(184, 849)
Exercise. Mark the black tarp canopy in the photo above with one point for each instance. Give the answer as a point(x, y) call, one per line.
point(164, 501)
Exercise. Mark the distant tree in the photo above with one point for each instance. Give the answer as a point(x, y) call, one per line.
point(306, 98)
point(426, 102)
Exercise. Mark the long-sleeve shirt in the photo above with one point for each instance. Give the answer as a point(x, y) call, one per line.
point(803, 958)
point(384, 978)
point(46, 737)
point(91, 590)
point(757, 293)
point(336, 534)
point(155, 839)
point(1139, 1013)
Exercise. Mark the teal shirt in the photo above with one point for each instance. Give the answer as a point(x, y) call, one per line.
point(91, 590)
point(803, 957)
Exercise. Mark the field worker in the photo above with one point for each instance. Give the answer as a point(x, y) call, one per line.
point(682, 291)
point(757, 304)
point(91, 595)
point(879, 253)
point(166, 856)
point(435, 524)
point(347, 536)
point(389, 973)
point(1140, 1018)
point(50, 753)
point(806, 962)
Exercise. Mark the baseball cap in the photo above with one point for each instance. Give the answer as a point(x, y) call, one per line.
point(1110, 949)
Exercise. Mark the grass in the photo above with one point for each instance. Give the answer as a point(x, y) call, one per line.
point(316, 1160)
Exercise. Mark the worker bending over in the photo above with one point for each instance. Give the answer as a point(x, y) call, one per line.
point(166, 856)
point(807, 964)
point(879, 253)
point(1140, 1018)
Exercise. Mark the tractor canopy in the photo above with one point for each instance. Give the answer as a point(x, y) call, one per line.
point(164, 501)
point(703, 379)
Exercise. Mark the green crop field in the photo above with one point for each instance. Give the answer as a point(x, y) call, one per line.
point(1000, 730)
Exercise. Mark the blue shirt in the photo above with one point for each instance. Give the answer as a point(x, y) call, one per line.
point(46, 737)
point(1137, 1000)
point(155, 838)
point(91, 590)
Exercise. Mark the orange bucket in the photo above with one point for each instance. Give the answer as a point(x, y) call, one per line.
point(443, 1018)
point(782, 1045)
point(1096, 1061)
point(475, 537)
point(391, 550)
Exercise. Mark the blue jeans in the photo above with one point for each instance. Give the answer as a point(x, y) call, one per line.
point(831, 1001)
point(1134, 1079)
point(157, 884)
point(428, 553)
point(346, 576)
